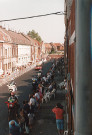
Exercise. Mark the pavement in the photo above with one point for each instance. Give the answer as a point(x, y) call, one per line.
point(15, 74)
point(45, 123)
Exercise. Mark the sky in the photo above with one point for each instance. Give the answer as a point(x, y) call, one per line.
point(50, 28)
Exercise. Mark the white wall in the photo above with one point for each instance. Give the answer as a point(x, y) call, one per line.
point(7, 57)
point(24, 54)
point(43, 48)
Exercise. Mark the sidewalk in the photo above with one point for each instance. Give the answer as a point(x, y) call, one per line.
point(15, 75)
point(45, 123)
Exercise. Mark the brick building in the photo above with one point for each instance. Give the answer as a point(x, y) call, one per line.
point(58, 46)
point(78, 51)
point(1, 58)
point(69, 57)
point(8, 52)
point(48, 47)
point(17, 51)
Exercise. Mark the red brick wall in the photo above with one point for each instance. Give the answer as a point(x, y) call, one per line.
point(71, 69)
point(71, 61)
point(71, 64)
point(0, 54)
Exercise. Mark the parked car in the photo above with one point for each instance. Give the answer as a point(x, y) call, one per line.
point(38, 67)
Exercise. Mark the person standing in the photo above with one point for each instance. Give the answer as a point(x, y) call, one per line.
point(14, 128)
point(59, 113)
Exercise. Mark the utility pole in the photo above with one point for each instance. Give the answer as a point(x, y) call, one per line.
point(83, 71)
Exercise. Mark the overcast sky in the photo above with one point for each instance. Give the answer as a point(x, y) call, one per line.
point(50, 28)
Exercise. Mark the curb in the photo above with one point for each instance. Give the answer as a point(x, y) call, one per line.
point(7, 79)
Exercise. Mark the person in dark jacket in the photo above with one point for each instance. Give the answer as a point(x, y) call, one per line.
point(26, 122)
point(26, 107)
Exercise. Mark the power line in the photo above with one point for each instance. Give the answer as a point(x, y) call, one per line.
point(56, 13)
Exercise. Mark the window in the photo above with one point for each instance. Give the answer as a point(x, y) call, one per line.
point(1, 51)
point(58, 48)
point(5, 52)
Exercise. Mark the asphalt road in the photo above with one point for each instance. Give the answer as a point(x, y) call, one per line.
point(24, 87)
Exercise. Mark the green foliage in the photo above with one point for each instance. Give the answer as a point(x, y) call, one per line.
point(34, 35)
point(52, 51)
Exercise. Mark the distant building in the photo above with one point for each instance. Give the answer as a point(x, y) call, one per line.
point(48, 48)
point(58, 46)
point(44, 55)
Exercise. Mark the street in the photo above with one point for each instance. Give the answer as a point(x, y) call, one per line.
point(24, 88)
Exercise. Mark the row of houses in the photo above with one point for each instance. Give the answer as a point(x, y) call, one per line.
point(18, 50)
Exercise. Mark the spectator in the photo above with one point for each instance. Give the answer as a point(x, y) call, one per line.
point(29, 112)
point(26, 107)
point(14, 128)
point(32, 103)
point(21, 121)
point(25, 122)
point(54, 85)
point(44, 78)
point(41, 95)
point(42, 87)
point(50, 87)
point(37, 96)
point(58, 110)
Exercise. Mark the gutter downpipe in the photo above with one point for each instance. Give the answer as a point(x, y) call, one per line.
point(83, 68)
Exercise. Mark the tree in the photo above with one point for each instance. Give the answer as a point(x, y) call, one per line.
point(34, 35)
point(52, 51)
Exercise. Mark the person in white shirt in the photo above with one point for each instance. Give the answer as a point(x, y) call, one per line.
point(44, 78)
point(31, 101)
point(37, 95)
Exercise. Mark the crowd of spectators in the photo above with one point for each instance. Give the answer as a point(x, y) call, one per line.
point(23, 122)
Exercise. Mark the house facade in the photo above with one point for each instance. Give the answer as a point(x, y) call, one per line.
point(16, 51)
point(23, 55)
point(7, 58)
point(8, 53)
point(48, 48)
point(14, 56)
point(1, 58)
point(58, 46)
point(44, 55)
